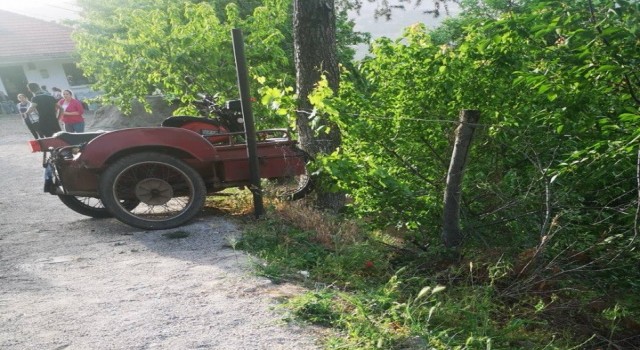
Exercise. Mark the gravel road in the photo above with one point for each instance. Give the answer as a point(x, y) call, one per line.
point(73, 282)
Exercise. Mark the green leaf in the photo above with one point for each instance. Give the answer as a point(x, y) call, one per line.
point(543, 88)
point(629, 117)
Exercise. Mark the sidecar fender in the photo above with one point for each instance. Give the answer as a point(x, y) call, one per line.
point(101, 150)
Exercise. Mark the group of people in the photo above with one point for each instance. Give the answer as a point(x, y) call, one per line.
point(6, 105)
point(44, 112)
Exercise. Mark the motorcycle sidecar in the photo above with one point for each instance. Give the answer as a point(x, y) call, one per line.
point(158, 178)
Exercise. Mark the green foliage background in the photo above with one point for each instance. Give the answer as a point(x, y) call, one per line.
point(155, 44)
point(136, 48)
point(557, 148)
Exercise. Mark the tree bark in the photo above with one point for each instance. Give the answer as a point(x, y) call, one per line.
point(451, 232)
point(315, 53)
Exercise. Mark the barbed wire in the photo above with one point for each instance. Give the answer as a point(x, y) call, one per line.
point(443, 121)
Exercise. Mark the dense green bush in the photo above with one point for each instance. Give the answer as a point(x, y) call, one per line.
point(554, 157)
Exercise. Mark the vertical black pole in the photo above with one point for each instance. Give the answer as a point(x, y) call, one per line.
point(249, 126)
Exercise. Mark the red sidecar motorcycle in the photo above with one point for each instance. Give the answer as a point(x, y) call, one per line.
point(158, 177)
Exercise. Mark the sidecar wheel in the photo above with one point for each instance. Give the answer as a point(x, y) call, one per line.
point(91, 206)
point(169, 191)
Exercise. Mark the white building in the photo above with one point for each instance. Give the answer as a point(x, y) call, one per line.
point(33, 50)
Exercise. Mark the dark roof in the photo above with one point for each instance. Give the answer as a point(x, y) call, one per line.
point(25, 38)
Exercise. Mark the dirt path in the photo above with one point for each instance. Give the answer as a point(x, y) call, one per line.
point(72, 282)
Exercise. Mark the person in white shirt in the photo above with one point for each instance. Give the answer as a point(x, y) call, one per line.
point(31, 120)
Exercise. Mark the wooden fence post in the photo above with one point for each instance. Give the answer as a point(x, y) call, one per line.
point(451, 233)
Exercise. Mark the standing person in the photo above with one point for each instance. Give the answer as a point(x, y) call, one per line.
point(6, 105)
point(57, 93)
point(30, 119)
point(47, 109)
point(72, 111)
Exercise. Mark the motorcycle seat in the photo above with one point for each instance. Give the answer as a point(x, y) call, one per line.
point(77, 138)
point(178, 121)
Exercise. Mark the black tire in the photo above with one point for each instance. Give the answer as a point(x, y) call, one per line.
point(91, 206)
point(294, 187)
point(169, 191)
point(88, 206)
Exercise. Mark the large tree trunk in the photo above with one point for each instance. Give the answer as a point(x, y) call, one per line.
point(314, 38)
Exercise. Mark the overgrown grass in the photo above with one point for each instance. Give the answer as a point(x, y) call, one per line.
point(379, 292)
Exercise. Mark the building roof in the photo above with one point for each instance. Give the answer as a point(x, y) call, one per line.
point(25, 38)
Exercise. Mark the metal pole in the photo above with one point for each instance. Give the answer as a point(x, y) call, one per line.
point(249, 126)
